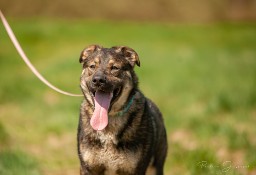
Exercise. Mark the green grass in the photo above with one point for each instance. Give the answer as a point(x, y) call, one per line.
point(16, 162)
point(201, 76)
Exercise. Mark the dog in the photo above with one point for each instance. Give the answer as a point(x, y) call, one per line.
point(120, 131)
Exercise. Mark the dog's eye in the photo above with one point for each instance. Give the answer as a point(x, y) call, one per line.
point(92, 66)
point(114, 68)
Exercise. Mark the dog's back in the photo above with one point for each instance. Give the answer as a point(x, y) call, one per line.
point(159, 141)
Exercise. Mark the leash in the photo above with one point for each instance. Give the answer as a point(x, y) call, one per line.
point(26, 60)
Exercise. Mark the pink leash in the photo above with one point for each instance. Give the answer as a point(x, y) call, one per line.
point(26, 60)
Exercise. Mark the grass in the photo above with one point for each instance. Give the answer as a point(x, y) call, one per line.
point(201, 76)
point(16, 162)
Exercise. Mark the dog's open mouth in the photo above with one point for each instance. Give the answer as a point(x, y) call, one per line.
point(102, 101)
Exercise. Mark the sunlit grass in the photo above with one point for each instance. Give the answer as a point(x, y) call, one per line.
point(201, 76)
point(16, 162)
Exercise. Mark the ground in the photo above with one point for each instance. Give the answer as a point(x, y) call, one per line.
point(201, 76)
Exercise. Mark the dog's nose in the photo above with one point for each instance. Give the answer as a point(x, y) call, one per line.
point(99, 79)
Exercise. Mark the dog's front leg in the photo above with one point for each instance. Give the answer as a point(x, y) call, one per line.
point(84, 171)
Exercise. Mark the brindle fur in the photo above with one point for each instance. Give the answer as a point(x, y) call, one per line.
point(132, 144)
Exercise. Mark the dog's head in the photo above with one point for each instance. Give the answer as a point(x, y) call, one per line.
point(107, 79)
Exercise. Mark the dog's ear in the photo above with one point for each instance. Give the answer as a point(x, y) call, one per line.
point(87, 52)
point(129, 55)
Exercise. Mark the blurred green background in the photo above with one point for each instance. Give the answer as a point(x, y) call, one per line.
point(198, 63)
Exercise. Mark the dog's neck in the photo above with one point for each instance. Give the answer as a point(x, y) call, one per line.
point(126, 107)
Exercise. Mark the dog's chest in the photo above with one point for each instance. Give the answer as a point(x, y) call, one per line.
point(109, 156)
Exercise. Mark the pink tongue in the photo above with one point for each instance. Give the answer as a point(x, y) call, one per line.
point(99, 119)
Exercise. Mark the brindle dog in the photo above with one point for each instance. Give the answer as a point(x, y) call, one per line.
point(120, 130)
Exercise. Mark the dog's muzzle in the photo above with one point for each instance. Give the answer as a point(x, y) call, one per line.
point(99, 80)
point(104, 94)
